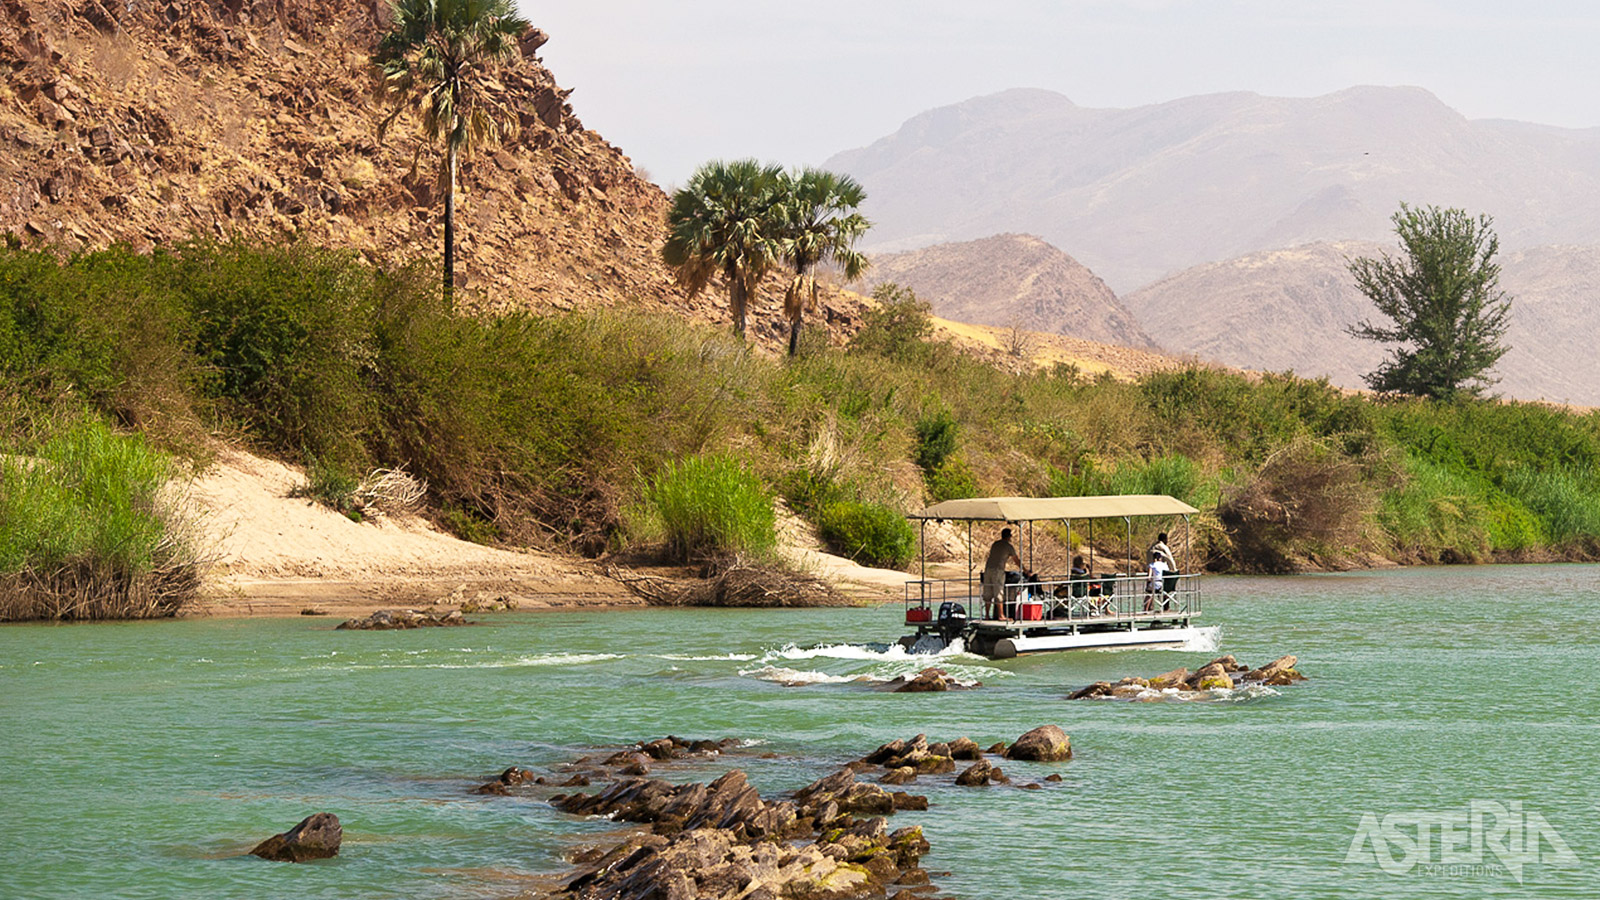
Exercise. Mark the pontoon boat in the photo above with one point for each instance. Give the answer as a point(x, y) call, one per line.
point(1125, 608)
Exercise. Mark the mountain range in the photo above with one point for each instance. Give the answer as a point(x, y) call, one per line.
point(1139, 194)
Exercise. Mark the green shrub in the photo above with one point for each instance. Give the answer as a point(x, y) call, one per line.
point(712, 509)
point(331, 486)
point(953, 480)
point(869, 533)
point(898, 328)
point(936, 440)
point(1435, 512)
point(1565, 499)
point(88, 530)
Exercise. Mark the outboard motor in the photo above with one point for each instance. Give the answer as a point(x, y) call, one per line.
point(952, 620)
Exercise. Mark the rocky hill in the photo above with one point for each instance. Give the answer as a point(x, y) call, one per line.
point(1013, 280)
point(148, 122)
point(1137, 194)
point(1287, 309)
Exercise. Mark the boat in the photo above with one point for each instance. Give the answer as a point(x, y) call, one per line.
point(1047, 612)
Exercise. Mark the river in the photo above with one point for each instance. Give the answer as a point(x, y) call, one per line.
point(139, 760)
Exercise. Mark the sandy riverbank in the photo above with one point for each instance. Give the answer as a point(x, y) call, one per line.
point(277, 555)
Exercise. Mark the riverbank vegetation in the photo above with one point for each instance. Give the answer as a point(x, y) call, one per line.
point(580, 431)
point(92, 528)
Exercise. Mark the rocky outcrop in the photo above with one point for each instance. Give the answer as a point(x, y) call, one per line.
point(722, 840)
point(1225, 673)
point(397, 619)
point(316, 837)
point(1047, 743)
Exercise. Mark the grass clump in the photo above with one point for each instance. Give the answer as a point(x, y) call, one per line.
point(714, 510)
point(869, 533)
point(90, 529)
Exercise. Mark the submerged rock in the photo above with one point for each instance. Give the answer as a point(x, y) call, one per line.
point(396, 619)
point(1047, 743)
point(316, 837)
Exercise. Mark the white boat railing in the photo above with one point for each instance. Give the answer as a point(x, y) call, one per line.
point(1096, 598)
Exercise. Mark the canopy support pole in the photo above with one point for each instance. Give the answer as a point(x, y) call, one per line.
point(923, 574)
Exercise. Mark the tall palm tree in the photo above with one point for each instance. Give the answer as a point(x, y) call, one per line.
point(434, 60)
point(820, 225)
point(725, 221)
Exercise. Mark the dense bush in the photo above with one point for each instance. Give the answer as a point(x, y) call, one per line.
point(713, 509)
point(869, 533)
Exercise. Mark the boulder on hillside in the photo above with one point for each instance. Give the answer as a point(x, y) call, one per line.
point(316, 837)
point(1047, 743)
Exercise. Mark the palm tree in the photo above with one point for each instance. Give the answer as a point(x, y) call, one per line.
point(726, 222)
point(820, 225)
point(434, 60)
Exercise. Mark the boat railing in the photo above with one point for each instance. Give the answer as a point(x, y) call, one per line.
point(1062, 601)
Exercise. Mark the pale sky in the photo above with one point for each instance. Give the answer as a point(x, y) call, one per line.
point(677, 83)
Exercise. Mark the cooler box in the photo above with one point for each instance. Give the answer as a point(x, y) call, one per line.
point(918, 614)
point(1030, 611)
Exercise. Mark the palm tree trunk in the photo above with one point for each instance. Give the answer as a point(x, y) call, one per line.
point(794, 331)
point(737, 301)
point(450, 227)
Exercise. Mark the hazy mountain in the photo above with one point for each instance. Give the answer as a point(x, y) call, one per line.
point(1013, 279)
point(1136, 194)
point(1287, 309)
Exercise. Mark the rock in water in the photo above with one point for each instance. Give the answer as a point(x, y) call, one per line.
point(398, 619)
point(1047, 743)
point(965, 748)
point(1280, 671)
point(1098, 689)
point(316, 837)
point(927, 681)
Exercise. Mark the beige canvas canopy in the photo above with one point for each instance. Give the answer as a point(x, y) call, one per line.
point(1026, 509)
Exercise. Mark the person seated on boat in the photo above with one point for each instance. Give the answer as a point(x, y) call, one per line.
point(993, 580)
point(1157, 582)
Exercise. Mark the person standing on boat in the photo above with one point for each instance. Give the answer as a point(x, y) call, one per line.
point(1160, 550)
point(994, 572)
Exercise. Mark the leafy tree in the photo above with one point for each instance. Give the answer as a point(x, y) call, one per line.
point(899, 328)
point(1444, 301)
point(726, 221)
point(437, 60)
point(820, 225)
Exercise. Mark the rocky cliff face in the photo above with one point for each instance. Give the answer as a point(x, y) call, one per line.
point(145, 122)
point(148, 121)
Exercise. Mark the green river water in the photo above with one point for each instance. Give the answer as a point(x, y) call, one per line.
point(140, 760)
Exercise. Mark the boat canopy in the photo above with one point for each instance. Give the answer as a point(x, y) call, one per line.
point(1025, 509)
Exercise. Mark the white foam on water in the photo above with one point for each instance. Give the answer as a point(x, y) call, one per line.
point(889, 653)
point(728, 657)
point(1205, 640)
point(548, 659)
point(783, 675)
